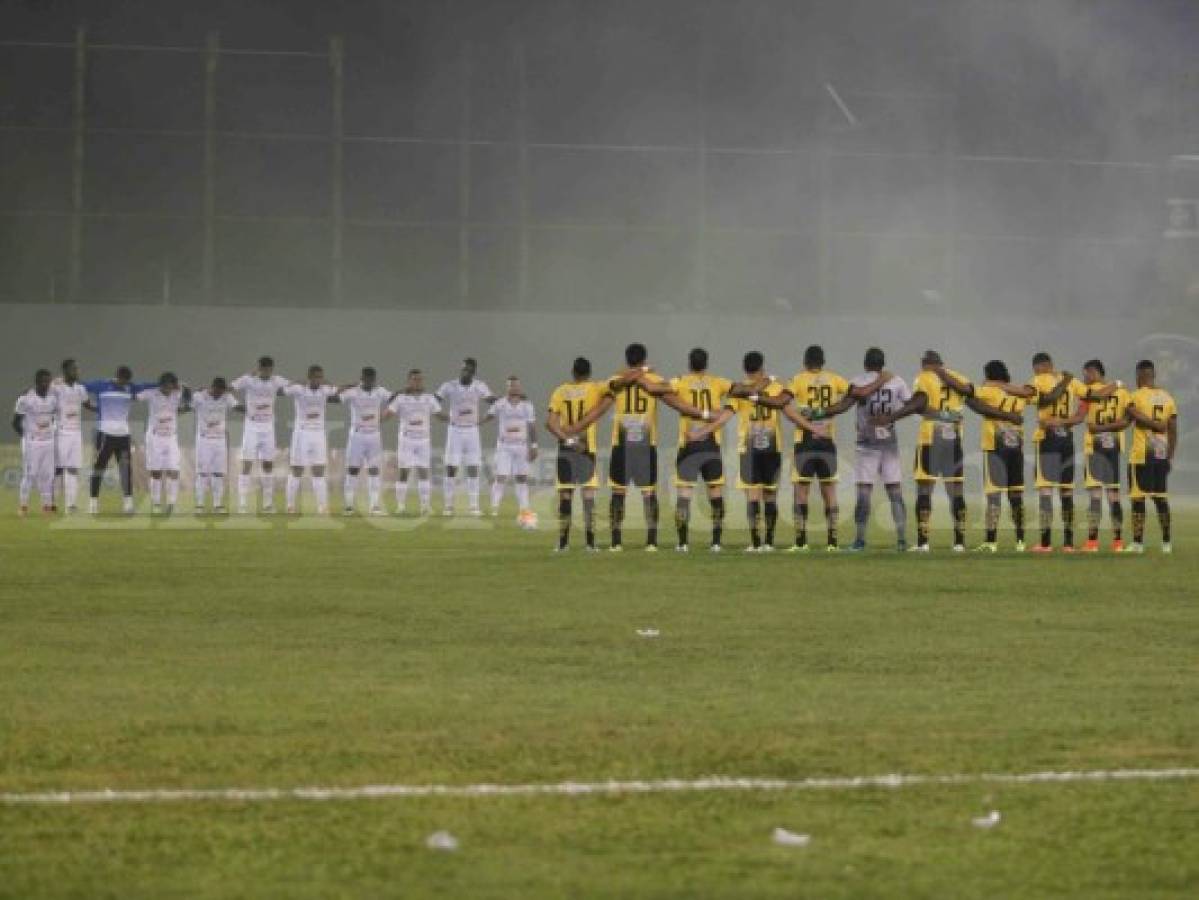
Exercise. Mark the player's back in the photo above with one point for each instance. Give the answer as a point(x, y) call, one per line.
point(572, 400)
point(701, 390)
point(886, 399)
point(636, 411)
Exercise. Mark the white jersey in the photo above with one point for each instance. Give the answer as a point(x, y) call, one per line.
point(366, 408)
point(463, 401)
point(310, 406)
point(415, 415)
point(887, 399)
point(258, 396)
point(162, 414)
point(513, 419)
point(71, 398)
point(41, 417)
point(212, 414)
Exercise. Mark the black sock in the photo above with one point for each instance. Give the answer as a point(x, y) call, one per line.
point(1163, 517)
point(1016, 500)
point(650, 503)
point(1046, 520)
point(832, 515)
point(801, 524)
point(1094, 515)
point(94, 487)
point(125, 469)
point(682, 518)
point(992, 517)
point(1117, 512)
point(753, 509)
point(616, 517)
point(772, 519)
point(924, 515)
point(1138, 521)
point(958, 505)
point(717, 520)
point(589, 520)
point(1067, 520)
point(564, 505)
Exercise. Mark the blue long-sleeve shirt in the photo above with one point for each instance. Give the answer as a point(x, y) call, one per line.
point(112, 403)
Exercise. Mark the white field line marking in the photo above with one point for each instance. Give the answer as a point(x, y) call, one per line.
point(583, 788)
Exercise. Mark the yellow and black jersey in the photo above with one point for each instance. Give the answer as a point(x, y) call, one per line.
point(704, 392)
point(941, 398)
point(1063, 407)
point(636, 412)
point(1158, 405)
point(573, 400)
point(1105, 412)
point(817, 390)
point(994, 434)
point(758, 427)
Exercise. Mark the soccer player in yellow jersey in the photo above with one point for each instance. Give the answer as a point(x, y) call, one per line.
point(633, 394)
point(1154, 415)
point(1001, 440)
point(1102, 448)
point(569, 403)
point(699, 460)
point(1057, 395)
point(938, 445)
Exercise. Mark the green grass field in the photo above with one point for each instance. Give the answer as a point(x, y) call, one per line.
point(272, 653)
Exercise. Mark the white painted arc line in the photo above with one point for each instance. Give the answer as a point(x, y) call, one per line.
point(584, 788)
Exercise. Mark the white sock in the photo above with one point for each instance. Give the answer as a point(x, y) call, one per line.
point(172, 491)
point(349, 487)
point(447, 488)
point(26, 487)
point(201, 489)
point(373, 485)
point(522, 494)
point(472, 490)
point(320, 487)
point(268, 489)
point(218, 490)
point(401, 493)
point(155, 491)
point(244, 483)
point(425, 488)
point(497, 493)
point(70, 488)
point(47, 489)
point(293, 490)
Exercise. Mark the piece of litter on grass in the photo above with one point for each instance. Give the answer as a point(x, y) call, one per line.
point(786, 838)
point(648, 632)
point(441, 840)
point(990, 820)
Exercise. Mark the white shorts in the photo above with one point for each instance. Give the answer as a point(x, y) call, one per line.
point(414, 454)
point(68, 450)
point(258, 443)
point(511, 461)
point(462, 447)
point(37, 461)
point(364, 451)
point(309, 448)
point(874, 464)
point(162, 453)
point(212, 456)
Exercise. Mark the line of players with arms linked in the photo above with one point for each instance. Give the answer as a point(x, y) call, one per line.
point(705, 402)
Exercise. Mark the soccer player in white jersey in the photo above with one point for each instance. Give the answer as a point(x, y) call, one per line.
point(68, 445)
point(414, 408)
point(34, 419)
point(212, 446)
point(515, 444)
point(309, 443)
point(163, 405)
point(463, 447)
point(365, 446)
point(258, 392)
point(877, 457)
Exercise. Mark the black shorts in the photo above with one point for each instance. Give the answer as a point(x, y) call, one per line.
point(1148, 479)
point(575, 469)
point(1004, 470)
point(760, 468)
point(940, 459)
point(634, 465)
point(1055, 461)
point(1103, 467)
point(699, 460)
point(110, 445)
point(815, 459)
